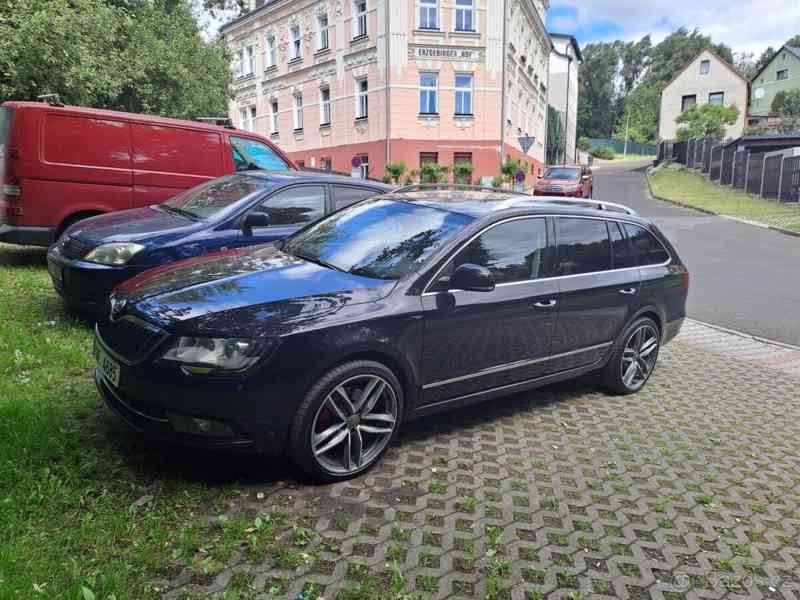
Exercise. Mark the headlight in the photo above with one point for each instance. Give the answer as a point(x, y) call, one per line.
point(209, 356)
point(115, 254)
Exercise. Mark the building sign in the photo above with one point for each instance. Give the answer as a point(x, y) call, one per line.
point(446, 53)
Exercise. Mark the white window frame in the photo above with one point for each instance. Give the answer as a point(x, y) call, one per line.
point(362, 98)
point(297, 41)
point(243, 116)
point(705, 62)
point(364, 167)
point(460, 11)
point(270, 58)
point(297, 111)
point(360, 19)
point(249, 61)
point(429, 8)
point(273, 107)
point(238, 63)
point(427, 90)
point(324, 106)
point(778, 74)
point(462, 92)
point(323, 39)
point(253, 117)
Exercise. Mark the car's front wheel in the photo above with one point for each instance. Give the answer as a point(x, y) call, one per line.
point(634, 358)
point(346, 421)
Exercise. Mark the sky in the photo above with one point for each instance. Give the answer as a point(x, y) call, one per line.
point(744, 25)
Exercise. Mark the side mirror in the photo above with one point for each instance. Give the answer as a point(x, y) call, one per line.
point(472, 278)
point(585, 178)
point(540, 177)
point(255, 219)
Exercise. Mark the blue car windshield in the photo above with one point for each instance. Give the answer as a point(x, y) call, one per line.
point(211, 199)
point(382, 239)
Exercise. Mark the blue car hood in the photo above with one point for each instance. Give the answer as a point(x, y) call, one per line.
point(257, 290)
point(132, 225)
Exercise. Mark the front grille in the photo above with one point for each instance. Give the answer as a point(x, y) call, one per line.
point(72, 248)
point(130, 338)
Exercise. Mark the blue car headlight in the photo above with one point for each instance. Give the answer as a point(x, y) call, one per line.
point(217, 356)
point(114, 254)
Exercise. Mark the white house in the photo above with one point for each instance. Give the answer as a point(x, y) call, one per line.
point(565, 61)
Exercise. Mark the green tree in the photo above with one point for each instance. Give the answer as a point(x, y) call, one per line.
point(135, 55)
point(764, 59)
point(395, 170)
point(598, 95)
point(555, 136)
point(745, 64)
point(643, 106)
point(794, 42)
point(786, 106)
point(431, 172)
point(584, 143)
point(635, 57)
point(705, 121)
point(510, 167)
point(462, 173)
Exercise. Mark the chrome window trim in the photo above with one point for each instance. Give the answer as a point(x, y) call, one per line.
point(425, 291)
point(513, 365)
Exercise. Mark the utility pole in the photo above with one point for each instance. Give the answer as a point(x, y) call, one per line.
point(627, 127)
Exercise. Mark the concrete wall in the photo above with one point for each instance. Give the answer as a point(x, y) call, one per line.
point(721, 78)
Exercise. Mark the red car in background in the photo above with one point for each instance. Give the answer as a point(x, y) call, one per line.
point(60, 164)
point(574, 181)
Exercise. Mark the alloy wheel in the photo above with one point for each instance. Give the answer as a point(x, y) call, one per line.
point(639, 357)
point(354, 424)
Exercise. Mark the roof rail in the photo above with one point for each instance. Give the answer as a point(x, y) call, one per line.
point(453, 187)
point(588, 203)
point(51, 99)
point(221, 121)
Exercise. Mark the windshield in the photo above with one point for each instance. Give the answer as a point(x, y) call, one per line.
point(250, 154)
point(562, 174)
point(383, 239)
point(215, 197)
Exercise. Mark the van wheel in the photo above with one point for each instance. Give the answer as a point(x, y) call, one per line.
point(346, 421)
point(71, 220)
point(634, 358)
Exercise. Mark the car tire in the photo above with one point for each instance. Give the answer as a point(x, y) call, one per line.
point(337, 433)
point(634, 358)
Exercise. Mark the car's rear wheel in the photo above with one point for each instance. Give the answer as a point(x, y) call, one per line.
point(346, 421)
point(634, 359)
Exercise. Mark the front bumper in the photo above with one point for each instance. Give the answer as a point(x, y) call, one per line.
point(146, 398)
point(26, 236)
point(84, 285)
point(559, 193)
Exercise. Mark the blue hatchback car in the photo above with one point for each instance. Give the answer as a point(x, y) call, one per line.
point(96, 254)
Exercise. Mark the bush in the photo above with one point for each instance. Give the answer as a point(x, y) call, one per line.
point(497, 182)
point(603, 152)
point(584, 143)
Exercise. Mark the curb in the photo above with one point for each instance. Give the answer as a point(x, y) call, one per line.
point(705, 211)
point(748, 336)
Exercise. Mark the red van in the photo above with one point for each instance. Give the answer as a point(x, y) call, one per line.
point(60, 164)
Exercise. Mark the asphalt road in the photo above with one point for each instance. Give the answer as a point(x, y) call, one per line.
point(743, 277)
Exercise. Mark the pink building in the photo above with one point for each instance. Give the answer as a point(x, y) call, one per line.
point(447, 81)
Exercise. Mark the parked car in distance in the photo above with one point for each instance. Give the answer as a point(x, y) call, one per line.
point(96, 254)
point(391, 309)
point(569, 180)
point(62, 164)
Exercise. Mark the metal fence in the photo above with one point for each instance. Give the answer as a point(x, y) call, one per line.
point(619, 147)
point(775, 175)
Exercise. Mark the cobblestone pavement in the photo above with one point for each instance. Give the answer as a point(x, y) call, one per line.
point(689, 489)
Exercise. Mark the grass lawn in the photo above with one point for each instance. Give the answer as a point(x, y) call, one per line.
point(686, 187)
point(87, 511)
point(630, 156)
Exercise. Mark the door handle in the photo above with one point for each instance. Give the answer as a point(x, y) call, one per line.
point(628, 291)
point(546, 304)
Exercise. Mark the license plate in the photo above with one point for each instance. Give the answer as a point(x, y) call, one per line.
point(55, 272)
point(108, 367)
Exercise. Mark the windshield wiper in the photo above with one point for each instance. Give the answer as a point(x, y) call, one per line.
point(179, 211)
point(318, 261)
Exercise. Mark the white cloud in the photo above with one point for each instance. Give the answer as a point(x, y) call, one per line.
point(745, 26)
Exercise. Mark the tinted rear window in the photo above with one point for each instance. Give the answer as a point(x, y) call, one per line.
point(214, 198)
point(345, 196)
point(583, 246)
point(624, 254)
point(649, 250)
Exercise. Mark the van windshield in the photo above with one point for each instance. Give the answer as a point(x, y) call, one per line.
point(249, 155)
point(214, 198)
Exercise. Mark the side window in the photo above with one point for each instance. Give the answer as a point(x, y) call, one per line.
point(649, 250)
point(345, 196)
point(583, 246)
point(513, 251)
point(250, 154)
point(624, 254)
point(295, 206)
